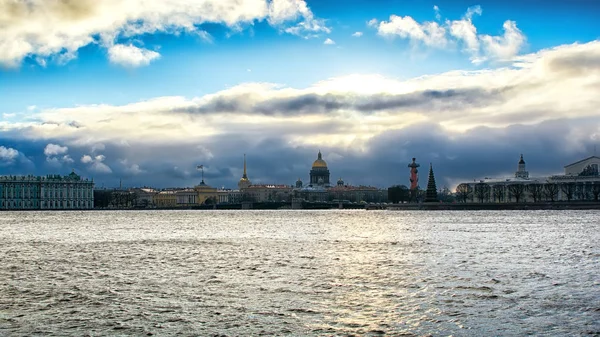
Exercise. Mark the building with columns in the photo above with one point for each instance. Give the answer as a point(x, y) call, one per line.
point(580, 181)
point(49, 192)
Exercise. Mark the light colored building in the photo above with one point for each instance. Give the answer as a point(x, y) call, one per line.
point(144, 196)
point(205, 192)
point(267, 193)
point(357, 193)
point(187, 197)
point(163, 199)
point(581, 181)
point(49, 192)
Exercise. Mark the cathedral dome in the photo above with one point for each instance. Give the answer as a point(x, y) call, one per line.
point(319, 163)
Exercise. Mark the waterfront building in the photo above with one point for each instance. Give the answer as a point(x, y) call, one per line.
point(205, 192)
point(267, 193)
point(580, 181)
point(186, 197)
point(46, 192)
point(165, 199)
point(144, 196)
point(356, 193)
point(319, 174)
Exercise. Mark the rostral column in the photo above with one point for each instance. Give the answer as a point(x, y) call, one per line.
point(414, 178)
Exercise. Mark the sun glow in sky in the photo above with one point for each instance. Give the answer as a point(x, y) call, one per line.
point(144, 91)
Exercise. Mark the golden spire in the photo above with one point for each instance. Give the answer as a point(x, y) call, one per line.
point(245, 176)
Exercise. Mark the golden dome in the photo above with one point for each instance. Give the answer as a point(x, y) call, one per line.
point(319, 163)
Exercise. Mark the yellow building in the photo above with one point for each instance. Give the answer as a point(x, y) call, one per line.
point(165, 199)
point(204, 192)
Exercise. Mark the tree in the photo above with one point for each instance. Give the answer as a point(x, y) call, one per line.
point(498, 192)
point(398, 193)
point(516, 191)
point(536, 191)
point(463, 192)
point(550, 191)
point(568, 189)
point(445, 195)
point(482, 192)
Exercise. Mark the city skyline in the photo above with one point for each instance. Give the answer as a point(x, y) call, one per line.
point(146, 98)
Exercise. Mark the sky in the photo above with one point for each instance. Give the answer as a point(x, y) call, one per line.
point(144, 91)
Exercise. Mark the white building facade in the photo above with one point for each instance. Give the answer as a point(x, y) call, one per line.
point(49, 192)
point(580, 182)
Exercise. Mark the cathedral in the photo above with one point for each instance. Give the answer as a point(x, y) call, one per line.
point(319, 174)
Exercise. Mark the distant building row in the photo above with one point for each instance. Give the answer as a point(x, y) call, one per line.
point(48, 192)
point(318, 190)
point(581, 181)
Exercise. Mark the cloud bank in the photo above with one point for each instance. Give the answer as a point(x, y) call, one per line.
point(56, 29)
point(480, 47)
point(469, 124)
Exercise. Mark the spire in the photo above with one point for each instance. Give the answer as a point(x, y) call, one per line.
point(431, 193)
point(245, 176)
point(319, 156)
point(521, 161)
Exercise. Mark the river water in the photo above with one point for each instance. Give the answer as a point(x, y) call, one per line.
point(300, 273)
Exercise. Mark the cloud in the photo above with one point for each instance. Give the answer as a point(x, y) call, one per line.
point(55, 30)
point(54, 149)
point(504, 47)
point(131, 56)
point(436, 9)
point(282, 12)
point(357, 34)
point(470, 124)
point(329, 41)
point(480, 47)
point(8, 155)
point(95, 164)
point(56, 155)
point(429, 33)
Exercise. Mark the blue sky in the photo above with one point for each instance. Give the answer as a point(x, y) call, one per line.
point(143, 82)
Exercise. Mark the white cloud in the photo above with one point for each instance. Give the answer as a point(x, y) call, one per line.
point(429, 33)
point(480, 47)
point(96, 164)
point(504, 47)
point(373, 23)
point(436, 9)
point(329, 41)
point(133, 169)
point(357, 34)
point(558, 83)
point(8, 155)
point(57, 29)
point(54, 149)
point(131, 56)
point(86, 159)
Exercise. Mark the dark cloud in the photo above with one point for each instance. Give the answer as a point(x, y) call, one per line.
point(382, 161)
point(313, 104)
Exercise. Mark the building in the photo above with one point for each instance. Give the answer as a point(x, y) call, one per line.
point(187, 197)
point(267, 193)
point(144, 196)
point(205, 192)
point(49, 192)
point(580, 181)
point(165, 199)
point(319, 174)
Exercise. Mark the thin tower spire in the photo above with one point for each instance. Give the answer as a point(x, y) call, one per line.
point(245, 175)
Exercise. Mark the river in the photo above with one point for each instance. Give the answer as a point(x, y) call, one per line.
point(300, 273)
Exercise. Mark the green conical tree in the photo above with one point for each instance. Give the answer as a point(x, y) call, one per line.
point(431, 193)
